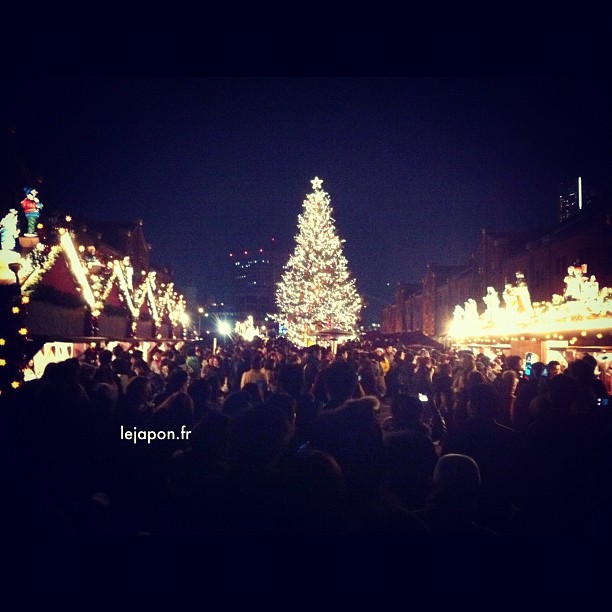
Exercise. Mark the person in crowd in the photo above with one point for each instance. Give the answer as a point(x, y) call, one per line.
point(197, 480)
point(460, 412)
point(350, 432)
point(314, 489)
point(520, 409)
point(506, 387)
point(367, 376)
point(258, 439)
point(466, 366)
point(381, 369)
point(270, 367)
point(177, 381)
point(409, 453)
point(442, 383)
point(105, 373)
point(124, 372)
point(201, 394)
point(341, 384)
point(307, 408)
point(193, 363)
point(237, 402)
point(451, 508)
point(393, 376)
point(241, 363)
point(312, 366)
point(423, 380)
point(554, 469)
point(136, 404)
point(494, 448)
point(256, 374)
point(211, 373)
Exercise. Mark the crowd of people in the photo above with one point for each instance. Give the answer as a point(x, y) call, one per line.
point(268, 438)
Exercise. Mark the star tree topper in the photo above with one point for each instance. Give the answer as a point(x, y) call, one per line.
point(316, 183)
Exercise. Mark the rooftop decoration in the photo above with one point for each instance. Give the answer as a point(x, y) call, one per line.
point(31, 207)
point(584, 306)
point(95, 272)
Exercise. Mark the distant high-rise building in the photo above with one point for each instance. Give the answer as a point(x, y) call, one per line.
point(572, 199)
point(254, 277)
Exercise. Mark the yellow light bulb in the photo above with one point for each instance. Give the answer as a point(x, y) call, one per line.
point(15, 309)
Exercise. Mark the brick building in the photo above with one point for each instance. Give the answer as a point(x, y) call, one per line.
point(543, 258)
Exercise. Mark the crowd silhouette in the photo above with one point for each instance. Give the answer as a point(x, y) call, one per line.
point(265, 438)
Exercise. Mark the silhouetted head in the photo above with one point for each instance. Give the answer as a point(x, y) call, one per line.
point(483, 401)
point(291, 378)
point(475, 378)
point(259, 436)
point(285, 402)
point(457, 474)
point(536, 369)
point(514, 362)
point(406, 408)
point(236, 402)
point(176, 410)
point(177, 381)
point(562, 393)
point(105, 357)
point(340, 380)
point(591, 362)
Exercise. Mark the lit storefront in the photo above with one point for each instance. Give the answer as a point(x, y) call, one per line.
point(562, 329)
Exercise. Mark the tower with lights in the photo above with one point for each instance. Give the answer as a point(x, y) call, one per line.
point(572, 199)
point(254, 275)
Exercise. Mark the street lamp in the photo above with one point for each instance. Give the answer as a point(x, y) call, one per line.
point(200, 312)
point(225, 329)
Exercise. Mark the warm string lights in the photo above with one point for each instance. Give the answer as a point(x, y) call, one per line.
point(22, 272)
point(13, 336)
point(247, 330)
point(562, 318)
point(96, 276)
point(316, 291)
point(36, 264)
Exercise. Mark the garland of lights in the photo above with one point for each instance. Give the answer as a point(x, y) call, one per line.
point(95, 281)
point(36, 265)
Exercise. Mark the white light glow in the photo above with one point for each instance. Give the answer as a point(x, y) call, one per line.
point(224, 328)
point(124, 287)
point(584, 308)
point(77, 268)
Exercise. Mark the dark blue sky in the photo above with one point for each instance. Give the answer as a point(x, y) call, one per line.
point(415, 167)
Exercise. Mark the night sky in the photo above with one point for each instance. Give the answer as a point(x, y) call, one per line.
point(415, 167)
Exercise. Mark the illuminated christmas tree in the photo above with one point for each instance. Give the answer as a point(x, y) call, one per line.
point(316, 292)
